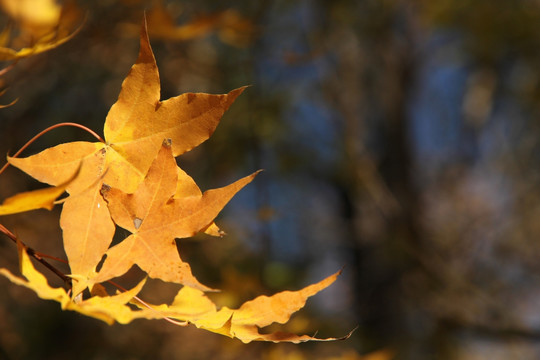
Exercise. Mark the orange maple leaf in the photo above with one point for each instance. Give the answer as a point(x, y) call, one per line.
point(194, 306)
point(134, 130)
point(155, 219)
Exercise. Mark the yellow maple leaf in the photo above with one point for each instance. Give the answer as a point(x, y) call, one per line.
point(31, 200)
point(155, 219)
point(35, 199)
point(108, 309)
point(194, 306)
point(11, 54)
point(44, 25)
point(134, 130)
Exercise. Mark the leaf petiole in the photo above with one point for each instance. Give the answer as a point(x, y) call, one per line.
point(143, 303)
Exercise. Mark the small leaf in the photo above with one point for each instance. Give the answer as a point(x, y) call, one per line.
point(31, 200)
point(7, 54)
point(36, 199)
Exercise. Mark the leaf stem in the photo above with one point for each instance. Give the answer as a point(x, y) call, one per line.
point(92, 132)
point(40, 254)
point(8, 68)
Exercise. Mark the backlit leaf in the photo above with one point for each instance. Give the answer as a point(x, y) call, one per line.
point(156, 218)
point(134, 130)
point(245, 322)
point(31, 200)
point(36, 199)
point(108, 309)
point(131, 180)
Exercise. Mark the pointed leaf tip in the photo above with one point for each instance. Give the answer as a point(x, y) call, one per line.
point(145, 40)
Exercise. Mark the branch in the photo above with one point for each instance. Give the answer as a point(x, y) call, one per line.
point(36, 255)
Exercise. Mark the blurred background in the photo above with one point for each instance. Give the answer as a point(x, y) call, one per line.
point(400, 142)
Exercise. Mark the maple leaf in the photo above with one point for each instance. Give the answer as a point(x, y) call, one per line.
point(31, 200)
point(47, 24)
point(108, 309)
point(194, 306)
point(134, 130)
point(7, 53)
point(35, 199)
point(156, 218)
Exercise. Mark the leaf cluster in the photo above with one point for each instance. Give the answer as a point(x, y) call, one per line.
point(130, 179)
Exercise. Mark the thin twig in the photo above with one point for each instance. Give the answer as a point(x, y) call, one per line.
point(36, 255)
point(40, 254)
point(8, 68)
